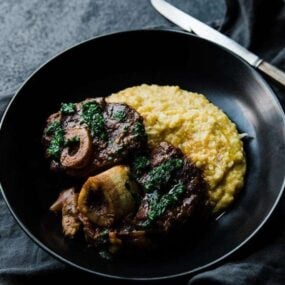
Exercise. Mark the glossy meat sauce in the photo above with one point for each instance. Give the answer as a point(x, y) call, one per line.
point(91, 136)
point(141, 193)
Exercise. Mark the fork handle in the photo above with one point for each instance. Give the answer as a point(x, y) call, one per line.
point(275, 73)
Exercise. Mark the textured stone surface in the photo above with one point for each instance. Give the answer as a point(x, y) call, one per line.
point(32, 31)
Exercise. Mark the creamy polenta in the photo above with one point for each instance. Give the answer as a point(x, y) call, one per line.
point(200, 129)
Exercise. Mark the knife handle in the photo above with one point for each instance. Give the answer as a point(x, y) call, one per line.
point(273, 72)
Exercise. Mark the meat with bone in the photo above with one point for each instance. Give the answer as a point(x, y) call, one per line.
point(85, 138)
point(175, 190)
point(116, 211)
point(67, 205)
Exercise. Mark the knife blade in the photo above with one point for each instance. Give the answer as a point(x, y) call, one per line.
point(189, 23)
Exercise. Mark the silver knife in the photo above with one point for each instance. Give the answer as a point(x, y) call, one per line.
point(191, 24)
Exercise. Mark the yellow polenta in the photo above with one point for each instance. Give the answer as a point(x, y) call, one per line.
point(200, 129)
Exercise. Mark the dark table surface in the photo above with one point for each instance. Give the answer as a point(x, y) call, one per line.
point(32, 31)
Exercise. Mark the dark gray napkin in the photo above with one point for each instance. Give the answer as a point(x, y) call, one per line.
point(33, 31)
point(259, 25)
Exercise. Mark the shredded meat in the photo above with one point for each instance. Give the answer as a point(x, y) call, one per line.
point(67, 204)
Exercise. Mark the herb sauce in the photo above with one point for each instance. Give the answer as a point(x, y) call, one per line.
point(140, 164)
point(57, 141)
point(161, 174)
point(138, 130)
point(67, 108)
point(119, 116)
point(72, 141)
point(158, 204)
point(93, 117)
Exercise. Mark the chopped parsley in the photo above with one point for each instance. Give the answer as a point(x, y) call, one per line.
point(140, 164)
point(57, 141)
point(159, 204)
point(153, 200)
point(52, 127)
point(72, 141)
point(67, 108)
point(119, 116)
point(161, 174)
point(126, 129)
point(93, 117)
point(138, 130)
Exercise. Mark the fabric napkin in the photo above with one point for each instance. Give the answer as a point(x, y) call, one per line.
point(33, 31)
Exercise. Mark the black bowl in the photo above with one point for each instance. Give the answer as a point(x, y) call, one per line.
point(108, 64)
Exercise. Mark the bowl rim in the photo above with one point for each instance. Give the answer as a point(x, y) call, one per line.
point(209, 265)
